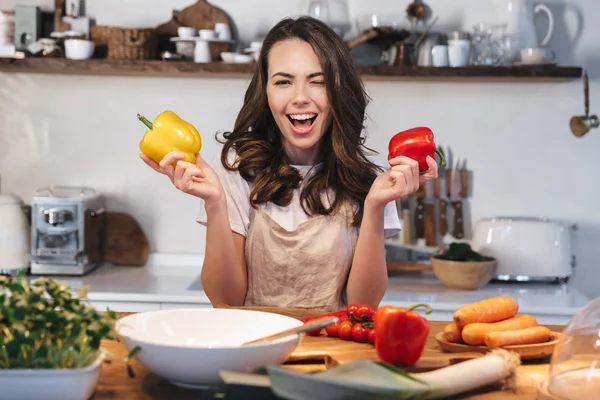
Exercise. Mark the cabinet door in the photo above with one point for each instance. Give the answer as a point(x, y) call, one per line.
point(125, 306)
point(171, 306)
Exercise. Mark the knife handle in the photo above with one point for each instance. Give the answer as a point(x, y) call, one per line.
point(457, 231)
point(464, 183)
point(437, 187)
point(420, 219)
point(443, 217)
point(430, 239)
point(449, 182)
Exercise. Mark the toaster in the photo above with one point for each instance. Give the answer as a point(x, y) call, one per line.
point(526, 248)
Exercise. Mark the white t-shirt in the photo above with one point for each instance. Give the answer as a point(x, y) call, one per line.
point(237, 192)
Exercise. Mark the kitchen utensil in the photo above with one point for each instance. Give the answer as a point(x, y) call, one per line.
point(575, 364)
point(425, 32)
point(525, 351)
point(456, 201)
point(430, 234)
point(527, 248)
point(446, 190)
point(14, 235)
point(125, 241)
point(419, 220)
point(308, 326)
point(580, 125)
point(416, 10)
point(519, 16)
point(188, 347)
point(464, 275)
point(464, 180)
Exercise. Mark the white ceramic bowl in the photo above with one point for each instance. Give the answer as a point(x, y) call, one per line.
point(50, 384)
point(78, 49)
point(189, 347)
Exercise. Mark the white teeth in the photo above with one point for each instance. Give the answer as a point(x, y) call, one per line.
point(302, 117)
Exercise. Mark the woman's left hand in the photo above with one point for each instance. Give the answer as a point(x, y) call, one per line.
point(401, 180)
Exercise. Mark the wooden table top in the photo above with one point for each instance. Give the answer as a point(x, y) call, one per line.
point(312, 354)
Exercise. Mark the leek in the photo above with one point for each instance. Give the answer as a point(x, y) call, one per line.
point(376, 380)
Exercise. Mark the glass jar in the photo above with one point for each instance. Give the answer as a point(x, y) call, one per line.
point(575, 365)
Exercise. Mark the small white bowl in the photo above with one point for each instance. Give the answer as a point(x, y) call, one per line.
point(50, 384)
point(228, 57)
point(79, 49)
point(189, 347)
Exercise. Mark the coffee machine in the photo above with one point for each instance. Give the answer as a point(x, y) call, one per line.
point(67, 231)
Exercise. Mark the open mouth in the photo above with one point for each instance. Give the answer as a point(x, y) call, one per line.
point(302, 122)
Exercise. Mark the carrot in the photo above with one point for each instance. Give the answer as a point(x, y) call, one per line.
point(493, 309)
point(452, 333)
point(536, 334)
point(475, 333)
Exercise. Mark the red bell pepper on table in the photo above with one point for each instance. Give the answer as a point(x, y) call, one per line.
point(400, 334)
point(416, 143)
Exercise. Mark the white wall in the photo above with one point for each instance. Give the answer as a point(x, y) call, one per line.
point(82, 130)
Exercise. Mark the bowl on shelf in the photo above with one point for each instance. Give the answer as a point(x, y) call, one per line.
point(464, 275)
point(189, 347)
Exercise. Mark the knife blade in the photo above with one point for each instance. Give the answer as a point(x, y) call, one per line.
point(419, 221)
point(444, 179)
point(456, 201)
point(430, 238)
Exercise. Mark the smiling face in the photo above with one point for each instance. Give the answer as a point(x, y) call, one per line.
point(298, 100)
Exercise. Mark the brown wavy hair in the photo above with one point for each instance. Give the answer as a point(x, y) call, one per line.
point(261, 158)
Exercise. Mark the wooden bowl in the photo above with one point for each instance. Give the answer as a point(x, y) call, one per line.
point(464, 275)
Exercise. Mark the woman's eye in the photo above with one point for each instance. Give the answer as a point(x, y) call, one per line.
point(283, 82)
point(319, 82)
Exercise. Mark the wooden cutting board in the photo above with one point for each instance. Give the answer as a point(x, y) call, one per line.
point(200, 15)
point(124, 240)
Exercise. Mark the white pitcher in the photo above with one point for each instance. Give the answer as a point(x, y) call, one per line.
point(519, 17)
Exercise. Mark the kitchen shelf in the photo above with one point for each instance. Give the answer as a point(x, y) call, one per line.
point(190, 69)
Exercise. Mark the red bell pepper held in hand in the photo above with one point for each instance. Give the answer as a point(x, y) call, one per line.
point(416, 143)
point(400, 334)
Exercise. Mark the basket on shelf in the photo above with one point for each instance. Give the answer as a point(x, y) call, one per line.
point(117, 43)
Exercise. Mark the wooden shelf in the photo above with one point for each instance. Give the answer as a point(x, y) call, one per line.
point(190, 69)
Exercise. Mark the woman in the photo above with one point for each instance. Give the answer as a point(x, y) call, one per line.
point(285, 201)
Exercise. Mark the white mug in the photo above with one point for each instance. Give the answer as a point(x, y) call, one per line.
point(223, 31)
point(439, 55)
point(202, 52)
point(459, 51)
point(207, 34)
point(186, 32)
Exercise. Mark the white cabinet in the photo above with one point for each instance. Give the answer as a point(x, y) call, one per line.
point(170, 306)
point(125, 306)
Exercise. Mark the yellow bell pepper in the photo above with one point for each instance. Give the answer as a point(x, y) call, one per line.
point(170, 133)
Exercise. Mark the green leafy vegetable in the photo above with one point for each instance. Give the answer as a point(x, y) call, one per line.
point(462, 252)
point(42, 326)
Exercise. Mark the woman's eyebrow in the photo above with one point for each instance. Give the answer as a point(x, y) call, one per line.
point(290, 76)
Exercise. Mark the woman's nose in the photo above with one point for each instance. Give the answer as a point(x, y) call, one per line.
point(300, 96)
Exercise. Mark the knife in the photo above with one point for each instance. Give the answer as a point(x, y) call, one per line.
point(456, 201)
point(443, 192)
point(430, 239)
point(464, 181)
point(419, 218)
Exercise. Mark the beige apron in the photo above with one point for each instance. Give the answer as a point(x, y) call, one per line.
point(304, 268)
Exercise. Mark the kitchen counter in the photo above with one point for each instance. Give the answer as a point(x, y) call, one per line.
point(115, 383)
point(173, 281)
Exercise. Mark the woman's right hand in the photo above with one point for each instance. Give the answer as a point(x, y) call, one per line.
point(198, 179)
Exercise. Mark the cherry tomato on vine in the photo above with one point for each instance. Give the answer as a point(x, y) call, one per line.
point(345, 329)
point(360, 333)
